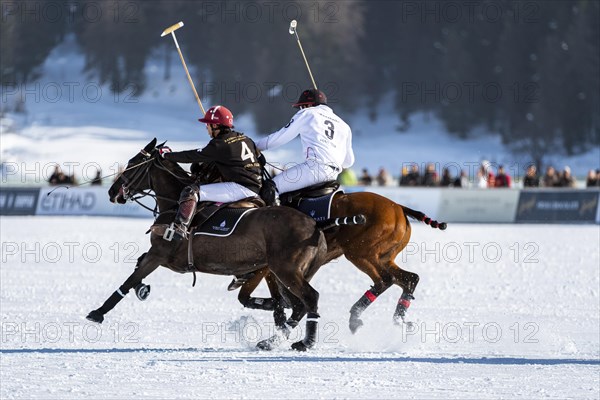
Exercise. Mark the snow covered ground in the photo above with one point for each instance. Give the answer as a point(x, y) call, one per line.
point(501, 311)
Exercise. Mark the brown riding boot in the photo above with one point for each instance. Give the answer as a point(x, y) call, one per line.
point(187, 208)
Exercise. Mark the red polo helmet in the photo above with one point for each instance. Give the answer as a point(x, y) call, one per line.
point(218, 115)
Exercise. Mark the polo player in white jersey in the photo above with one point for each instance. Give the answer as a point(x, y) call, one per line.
point(326, 141)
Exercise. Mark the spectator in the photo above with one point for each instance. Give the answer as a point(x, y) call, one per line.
point(592, 179)
point(550, 179)
point(347, 177)
point(485, 176)
point(98, 179)
point(413, 178)
point(430, 178)
point(53, 180)
point(59, 178)
point(403, 181)
point(365, 179)
point(383, 177)
point(566, 179)
point(446, 178)
point(531, 178)
point(462, 181)
point(502, 179)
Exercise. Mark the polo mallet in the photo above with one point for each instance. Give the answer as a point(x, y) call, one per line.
point(294, 31)
point(172, 30)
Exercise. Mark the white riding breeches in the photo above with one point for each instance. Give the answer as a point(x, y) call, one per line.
point(224, 192)
point(306, 174)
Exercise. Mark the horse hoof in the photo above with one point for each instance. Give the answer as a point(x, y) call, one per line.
point(95, 316)
point(299, 346)
point(264, 345)
point(270, 343)
point(142, 291)
point(398, 321)
point(355, 324)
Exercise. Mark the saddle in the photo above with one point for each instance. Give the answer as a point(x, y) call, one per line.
point(217, 219)
point(314, 201)
point(207, 210)
point(293, 199)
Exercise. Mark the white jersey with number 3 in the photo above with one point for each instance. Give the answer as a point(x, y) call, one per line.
point(325, 137)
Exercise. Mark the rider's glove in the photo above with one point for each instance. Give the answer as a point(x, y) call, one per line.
point(163, 150)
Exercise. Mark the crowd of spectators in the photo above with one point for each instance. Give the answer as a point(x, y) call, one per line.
point(485, 177)
point(58, 177)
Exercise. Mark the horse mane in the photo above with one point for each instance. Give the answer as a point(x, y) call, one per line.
point(177, 171)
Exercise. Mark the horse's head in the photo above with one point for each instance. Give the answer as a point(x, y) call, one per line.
point(134, 177)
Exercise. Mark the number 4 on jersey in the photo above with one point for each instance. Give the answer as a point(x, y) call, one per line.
point(246, 153)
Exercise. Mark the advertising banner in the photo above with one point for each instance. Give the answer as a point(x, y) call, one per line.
point(558, 206)
point(479, 205)
point(87, 201)
point(18, 201)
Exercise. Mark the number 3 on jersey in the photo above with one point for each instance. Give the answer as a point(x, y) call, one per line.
point(329, 132)
point(246, 153)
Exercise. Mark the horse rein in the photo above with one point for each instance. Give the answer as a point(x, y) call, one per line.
point(138, 176)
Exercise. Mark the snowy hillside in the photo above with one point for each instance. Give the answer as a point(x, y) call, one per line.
point(70, 119)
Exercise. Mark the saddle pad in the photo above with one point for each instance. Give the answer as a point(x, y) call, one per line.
point(223, 222)
point(318, 208)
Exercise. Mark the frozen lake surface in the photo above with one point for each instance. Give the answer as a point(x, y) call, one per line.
point(501, 311)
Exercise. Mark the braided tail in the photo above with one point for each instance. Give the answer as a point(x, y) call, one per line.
point(419, 216)
point(333, 222)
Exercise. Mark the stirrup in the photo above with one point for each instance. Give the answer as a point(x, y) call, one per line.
point(174, 231)
point(236, 283)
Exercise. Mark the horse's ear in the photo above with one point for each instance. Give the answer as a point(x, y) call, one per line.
point(161, 145)
point(150, 146)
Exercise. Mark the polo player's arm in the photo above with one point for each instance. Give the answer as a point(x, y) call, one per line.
point(208, 153)
point(285, 134)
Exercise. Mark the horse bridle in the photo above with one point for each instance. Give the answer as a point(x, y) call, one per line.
point(130, 194)
point(137, 177)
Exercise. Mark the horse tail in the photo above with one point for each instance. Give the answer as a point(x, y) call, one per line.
point(419, 216)
point(359, 219)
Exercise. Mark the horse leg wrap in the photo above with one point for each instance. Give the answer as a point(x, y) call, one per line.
point(109, 304)
point(279, 316)
point(358, 308)
point(312, 323)
point(260, 303)
point(403, 304)
point(362, 303)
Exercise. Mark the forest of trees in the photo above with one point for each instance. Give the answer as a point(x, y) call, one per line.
point(528, 70)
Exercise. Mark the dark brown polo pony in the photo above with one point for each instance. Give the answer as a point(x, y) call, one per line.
point(371, 247)
point(281, 239)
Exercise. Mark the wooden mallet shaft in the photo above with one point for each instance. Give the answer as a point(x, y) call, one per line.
point(172, 30)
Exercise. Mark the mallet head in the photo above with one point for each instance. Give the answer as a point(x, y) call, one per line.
point(293, 25)
point(172, 28)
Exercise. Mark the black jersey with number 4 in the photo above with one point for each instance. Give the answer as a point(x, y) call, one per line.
point(234, 154)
